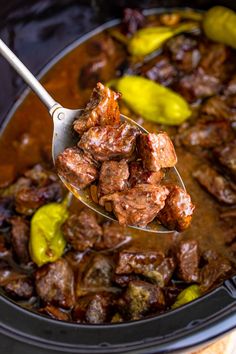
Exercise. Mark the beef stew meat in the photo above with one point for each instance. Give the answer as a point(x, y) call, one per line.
point(107, 273)
point(102, 109)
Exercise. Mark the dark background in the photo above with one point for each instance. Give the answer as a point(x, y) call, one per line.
point(37, 30)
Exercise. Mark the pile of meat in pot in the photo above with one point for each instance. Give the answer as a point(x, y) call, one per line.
point(128, 165)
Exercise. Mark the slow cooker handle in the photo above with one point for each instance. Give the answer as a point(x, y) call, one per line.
point(28, 77)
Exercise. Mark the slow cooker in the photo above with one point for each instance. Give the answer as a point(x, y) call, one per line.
point(42, 32)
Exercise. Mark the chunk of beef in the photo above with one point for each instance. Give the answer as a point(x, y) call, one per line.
point(138, 205)
point(82, 230)
point(187, 255)
point(216, 106)
point(226, 155)
point(214, 272)
point(156, 151)
point(150, 264)
point(231, 86)
point(123, 279)
point(7, 175)
point(20, 233)
point(159, 69)
point(113, 177)
point(55, 284)
point(109, 142)
point(102, 109)
point(198, 85)
point(142, 298)
point(132, 20)
point(139, 175)
point(54, 312)
point(89, 75)
point(76, 167)
point(6, 209)
point(14, 188)
point(8, 275)
point(28, 200)
point(20, 289)
point(184, 52)
point(178, 210)
point(40, 177)
point(96, 276)
point(93, 308)
point(113, 234)
point(217, 185)
point(207, 133)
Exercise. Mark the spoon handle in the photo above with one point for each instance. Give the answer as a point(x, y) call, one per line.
point(27, 76)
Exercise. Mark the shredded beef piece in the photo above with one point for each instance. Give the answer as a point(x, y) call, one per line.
point(159, 69)
point(138, 205)
point(113, 234)
point(214, 273)
point(226, 155)
point(20, 233)
point(142, 298)
point(82, 230)
point(20, 289)
point(198, 85)
point(156, 151)
point(184, 52)
point(139, 175)
point(55, 313)
point(207, 133)
point(76, 167)
point(188, 257)
point(102, 109)
point(6, 210)
point(217, 185)
point(113, 177)
point(178, 210)
point(55, 284)
point(28, 200)
point(109, 142)
point(133, 19)
point(150, 264)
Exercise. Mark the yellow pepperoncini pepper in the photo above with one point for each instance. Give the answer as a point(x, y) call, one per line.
point(189, 294)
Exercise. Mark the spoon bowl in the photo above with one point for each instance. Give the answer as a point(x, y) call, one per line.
point(64, 136)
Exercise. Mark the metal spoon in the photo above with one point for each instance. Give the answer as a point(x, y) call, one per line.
point(64, 136)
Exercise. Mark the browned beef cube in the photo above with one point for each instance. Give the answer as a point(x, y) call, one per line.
point(139, 175)
point(113, 234)
point(8, 275)
point(226, 155)
point(214, 273)
point(28, 200)
point(20, 233)
point(20, 289)
point(178, 210)
point(6, 209)
point(217, 185)
point(187, 255)
point(96, 275)
point(76, 167)
point(184, 52)
point(207, 133)
point(123, 279)
point(214, 58)
point(198, 85)
point(142, 299)
point(133, 19)
point(156, 151)
point(159, 69)
point(55, 313)
point(138, 205)
point(82, 230)
point(216, 106)
point(150, 264)
point(93, 308)
point(113, 177)
point(40, 177)
point(55, 284)
point(105, 143)
point(102, 109)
